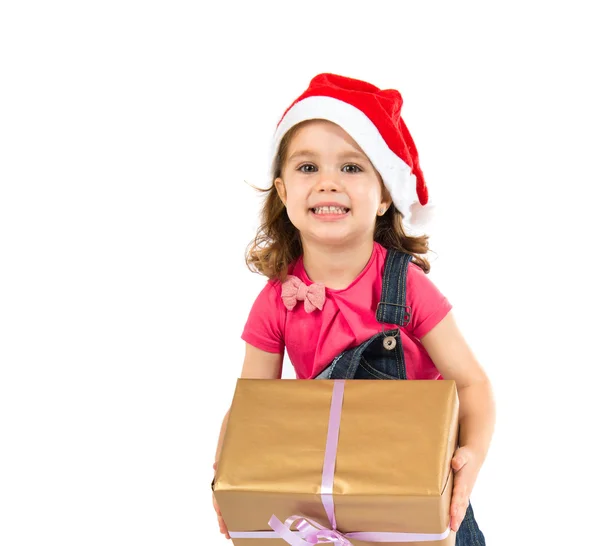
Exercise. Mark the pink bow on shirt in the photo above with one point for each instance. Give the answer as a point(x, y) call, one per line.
point(294, 290)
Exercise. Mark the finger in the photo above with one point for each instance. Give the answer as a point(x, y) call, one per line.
point(458, 509)
point(455, 524)
point(223, 528)
point(458, 505)
point(459, 462)
point(457, 516)
point(465, 478)
point(216, 506)
point(461, 458)
point(460, 493)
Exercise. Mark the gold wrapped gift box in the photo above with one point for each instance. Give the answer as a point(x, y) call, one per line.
point(391, 467)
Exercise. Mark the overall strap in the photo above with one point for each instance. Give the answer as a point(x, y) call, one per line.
point(392, 308)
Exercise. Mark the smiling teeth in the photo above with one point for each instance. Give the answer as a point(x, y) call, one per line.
point(330, 210)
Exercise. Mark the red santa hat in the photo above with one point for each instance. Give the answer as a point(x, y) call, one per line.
point(371, 116)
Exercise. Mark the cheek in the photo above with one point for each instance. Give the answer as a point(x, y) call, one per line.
point(296, 205)
point(367, 196)
point(296, 196)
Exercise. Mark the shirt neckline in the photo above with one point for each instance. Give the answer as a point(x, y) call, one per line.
point(306, 280)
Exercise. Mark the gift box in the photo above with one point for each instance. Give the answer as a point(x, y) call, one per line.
point(361, 462)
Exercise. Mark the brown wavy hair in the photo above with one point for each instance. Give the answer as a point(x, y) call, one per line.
point(277, 242)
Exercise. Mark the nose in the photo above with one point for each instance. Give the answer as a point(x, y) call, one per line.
point(327, 182)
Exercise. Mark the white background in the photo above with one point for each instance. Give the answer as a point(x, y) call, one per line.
point(127, 133)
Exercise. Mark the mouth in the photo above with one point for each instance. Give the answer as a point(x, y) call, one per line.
point(330, 210)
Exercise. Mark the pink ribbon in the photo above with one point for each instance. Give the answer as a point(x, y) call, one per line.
point(294, 290)
point(310, 532)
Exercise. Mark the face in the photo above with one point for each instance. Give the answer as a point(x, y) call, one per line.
point(331, 190)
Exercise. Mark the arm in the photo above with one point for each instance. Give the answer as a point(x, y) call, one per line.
point(258, 364)
point(455, 360)
point(477, 414)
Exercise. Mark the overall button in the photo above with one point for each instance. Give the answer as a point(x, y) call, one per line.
point(389, 343)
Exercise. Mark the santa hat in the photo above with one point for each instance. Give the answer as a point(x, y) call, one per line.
point(371, 116)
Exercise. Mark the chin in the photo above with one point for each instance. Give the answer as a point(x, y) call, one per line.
point(332, 237)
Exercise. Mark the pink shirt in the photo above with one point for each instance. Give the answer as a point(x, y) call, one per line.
point(313, 340)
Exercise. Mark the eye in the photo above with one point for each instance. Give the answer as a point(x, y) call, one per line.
point(310, 168)
point(353, 168)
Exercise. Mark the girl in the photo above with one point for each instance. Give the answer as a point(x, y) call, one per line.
point(348, 296)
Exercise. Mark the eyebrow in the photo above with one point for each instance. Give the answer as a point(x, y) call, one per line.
point(308, 153)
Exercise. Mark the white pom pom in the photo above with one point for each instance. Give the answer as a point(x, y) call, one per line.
point(420, 217)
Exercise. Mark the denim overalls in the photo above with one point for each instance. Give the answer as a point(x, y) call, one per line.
point(382, 357)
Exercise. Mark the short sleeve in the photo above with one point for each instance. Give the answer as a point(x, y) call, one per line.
point(429, 306)
point(264, 327)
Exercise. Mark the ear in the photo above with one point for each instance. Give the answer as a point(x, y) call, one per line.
point(280, 187)
point(386, 199)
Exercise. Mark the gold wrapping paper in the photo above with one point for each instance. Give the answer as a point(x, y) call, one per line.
point(392, 471)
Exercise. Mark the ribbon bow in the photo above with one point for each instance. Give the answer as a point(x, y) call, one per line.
point(294, 290)
point(310, 531)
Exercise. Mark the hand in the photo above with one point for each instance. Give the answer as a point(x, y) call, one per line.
point(466, 469)
point(222, 526)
